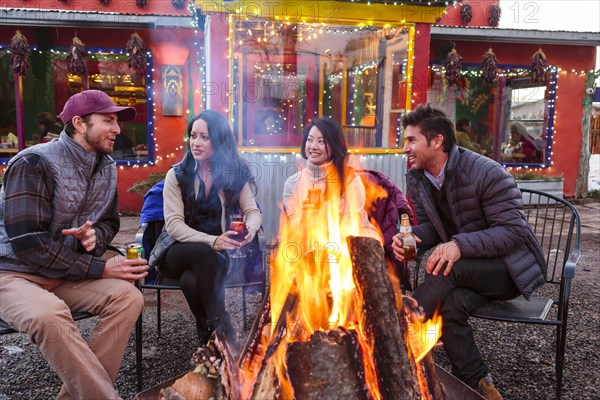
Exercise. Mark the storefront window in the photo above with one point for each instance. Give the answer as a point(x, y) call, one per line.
point(48, 85)
point(286, 74)
point(8, 116)
point(510, 121)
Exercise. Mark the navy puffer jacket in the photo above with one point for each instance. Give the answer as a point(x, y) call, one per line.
point(487, 209)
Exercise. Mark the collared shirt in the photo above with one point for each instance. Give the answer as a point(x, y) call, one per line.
point(437, 181)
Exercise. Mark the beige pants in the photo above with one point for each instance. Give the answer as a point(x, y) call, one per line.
point(41, 307)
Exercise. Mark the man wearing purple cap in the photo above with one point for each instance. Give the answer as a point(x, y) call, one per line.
point(58, 213)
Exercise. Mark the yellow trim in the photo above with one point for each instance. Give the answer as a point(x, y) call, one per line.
point(290, 150)
point(230, 47)
point(344, 92)
point(321, 86)
point(330, 12)
point(410, 67)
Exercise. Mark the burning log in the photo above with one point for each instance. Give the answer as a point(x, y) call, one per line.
point(267, 384)
point(434, 385)
point(259, 334)
point(409, 309)
point(229, 370)
point(395, 370)
point(329, 366)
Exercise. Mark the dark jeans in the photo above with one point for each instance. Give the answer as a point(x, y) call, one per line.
point(471, 284)
point(201, 272)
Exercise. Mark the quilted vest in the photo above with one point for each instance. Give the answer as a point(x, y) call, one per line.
point(83, 188)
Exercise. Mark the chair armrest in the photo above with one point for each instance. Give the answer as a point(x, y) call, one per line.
point(569, 271)
point(110, 247)
point(262, 240)
point(139, 235)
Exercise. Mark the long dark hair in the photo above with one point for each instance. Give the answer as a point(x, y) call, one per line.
point(230, 171)
point(335, 143)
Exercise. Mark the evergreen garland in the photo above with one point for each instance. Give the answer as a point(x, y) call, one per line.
point(453, 67)
point(135, 48)
point(76, 59)
point(538, 67)
point(21, 53)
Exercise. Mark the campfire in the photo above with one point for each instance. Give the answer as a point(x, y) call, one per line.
point(335, 324)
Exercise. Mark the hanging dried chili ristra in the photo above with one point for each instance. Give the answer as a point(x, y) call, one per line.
point(135, 48)
point(494, 15)
point(538, 67)
point(21, 52)
point(178, 3)
point(466, 13)
point(489, 67)
point(76, 59)
point(453, 67)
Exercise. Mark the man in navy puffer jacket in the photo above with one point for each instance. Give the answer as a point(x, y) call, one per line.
point(470, 211)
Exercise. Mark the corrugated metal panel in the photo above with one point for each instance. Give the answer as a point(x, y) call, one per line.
point(271, 171)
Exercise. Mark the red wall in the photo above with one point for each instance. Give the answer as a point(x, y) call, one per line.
point(153, 7)
point(480, 13)
point(169, 46)
point(570, 93)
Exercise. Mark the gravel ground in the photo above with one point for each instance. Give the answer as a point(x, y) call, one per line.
point(521, 357)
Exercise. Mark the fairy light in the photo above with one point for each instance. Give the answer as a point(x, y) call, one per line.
point(124, 81)
point(410, 100)
point(508, 72)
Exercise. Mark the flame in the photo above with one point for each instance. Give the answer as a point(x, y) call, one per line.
point(422, 335)
point(312, 264)
point(315, 254)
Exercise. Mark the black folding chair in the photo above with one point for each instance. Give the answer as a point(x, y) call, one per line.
point(235, 279)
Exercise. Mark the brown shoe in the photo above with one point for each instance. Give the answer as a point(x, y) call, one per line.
point(487, 389)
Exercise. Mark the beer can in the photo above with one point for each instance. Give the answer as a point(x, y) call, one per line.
point(134, 251)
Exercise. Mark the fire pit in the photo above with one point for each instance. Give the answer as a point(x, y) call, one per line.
point(335, 324)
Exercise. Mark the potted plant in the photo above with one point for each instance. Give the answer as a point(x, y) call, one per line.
point(143, 186)
point(538, 181)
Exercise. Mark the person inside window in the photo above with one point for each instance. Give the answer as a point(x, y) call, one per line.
point(48, 127)
point(200, 193)
point(522, 143)
point(465, 137)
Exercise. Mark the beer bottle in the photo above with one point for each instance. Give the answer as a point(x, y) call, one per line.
point(409, 243)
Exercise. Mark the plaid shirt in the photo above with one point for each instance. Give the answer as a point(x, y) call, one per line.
point(27, 215)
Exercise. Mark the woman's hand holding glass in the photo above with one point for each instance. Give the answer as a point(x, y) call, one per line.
point(240, 234)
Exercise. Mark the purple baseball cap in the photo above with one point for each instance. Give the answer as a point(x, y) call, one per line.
point(94, 101)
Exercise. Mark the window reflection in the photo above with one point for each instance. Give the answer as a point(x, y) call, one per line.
point(526, 134)
point(48, 85)
point(8, 116)
point(510, 122)
point(290, 73)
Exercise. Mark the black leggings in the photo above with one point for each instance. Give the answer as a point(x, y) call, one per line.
point(201, 272)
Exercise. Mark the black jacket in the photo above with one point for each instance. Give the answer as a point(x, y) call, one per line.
point(487, 210)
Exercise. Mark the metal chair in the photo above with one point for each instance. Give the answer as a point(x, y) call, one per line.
point(160, 282)
point(557, 226)
point(6, 329)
